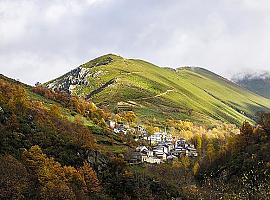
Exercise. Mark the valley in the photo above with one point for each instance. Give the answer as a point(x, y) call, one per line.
point(118, 128)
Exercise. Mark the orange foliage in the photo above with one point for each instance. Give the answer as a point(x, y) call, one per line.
point(13, 96)
point(90, 177)
point(57, 182)
point(14, 178)
point(81, 106)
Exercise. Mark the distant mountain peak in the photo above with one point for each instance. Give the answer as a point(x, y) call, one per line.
point(258, 82)
point(251, 75)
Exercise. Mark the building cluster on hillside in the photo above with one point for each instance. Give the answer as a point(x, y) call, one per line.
point(163, 151)
point(162, 146)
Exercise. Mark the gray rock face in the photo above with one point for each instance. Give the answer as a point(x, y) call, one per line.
point(71, 80)
point(80, 76)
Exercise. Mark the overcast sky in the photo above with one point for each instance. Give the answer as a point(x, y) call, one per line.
point(40, 40)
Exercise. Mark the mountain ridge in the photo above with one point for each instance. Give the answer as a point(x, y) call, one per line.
point(195, 93)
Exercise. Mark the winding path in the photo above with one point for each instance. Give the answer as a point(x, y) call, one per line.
point(158, 95)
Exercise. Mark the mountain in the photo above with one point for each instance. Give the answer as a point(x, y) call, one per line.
point(39, 112)
point(56, 146)
point(188, 93)
point(258, 82)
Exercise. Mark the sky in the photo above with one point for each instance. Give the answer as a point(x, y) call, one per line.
point(41, 40)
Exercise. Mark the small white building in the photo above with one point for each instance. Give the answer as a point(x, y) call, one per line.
point(180, 152)
point(161, 155)
point(150, 153)
point(168, 138)
point(180, 143)
point(160, 137)
point(111, 124)
point(120, 130)
point(141, 148)
point(155, 138)
point(142, 154)
point(152, 160)
point(168, 145)
point(161, 152)
point(164, 149)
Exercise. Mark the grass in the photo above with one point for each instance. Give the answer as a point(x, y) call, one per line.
point(196, 94)
point(108, 143)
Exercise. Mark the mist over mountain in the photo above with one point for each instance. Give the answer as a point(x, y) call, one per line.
point(258, 82)
point(251, 75)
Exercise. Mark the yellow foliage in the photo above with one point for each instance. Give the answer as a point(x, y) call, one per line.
point(55, 110)
point(57, 181)
point(185, 162)
point(156, 129)
point(90, 178)
point(118, 118)
point(196, 168)
point(210, 152)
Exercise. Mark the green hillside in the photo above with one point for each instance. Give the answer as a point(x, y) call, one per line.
point(59, 107)
point(155, 92)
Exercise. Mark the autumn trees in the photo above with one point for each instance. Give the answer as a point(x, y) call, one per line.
point(43, 153)
point(14, 179)
point(41, 177)
point(13, 96)
point(241, 168)
point(27, 121)
point(81, 106)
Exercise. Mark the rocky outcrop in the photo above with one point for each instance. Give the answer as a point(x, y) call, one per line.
point(79, 76)
point(71, 80)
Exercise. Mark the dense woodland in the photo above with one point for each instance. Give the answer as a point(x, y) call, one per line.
point(48, 151)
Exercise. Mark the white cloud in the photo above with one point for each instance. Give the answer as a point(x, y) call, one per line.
point(43, 39)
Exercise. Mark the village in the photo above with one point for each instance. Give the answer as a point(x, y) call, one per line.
point(157, 148)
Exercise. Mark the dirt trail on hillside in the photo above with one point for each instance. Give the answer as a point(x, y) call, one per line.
point(164, 93)
point(158, 95)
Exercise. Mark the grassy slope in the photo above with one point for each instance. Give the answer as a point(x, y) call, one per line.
point(107, 142)
point(186, 93)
